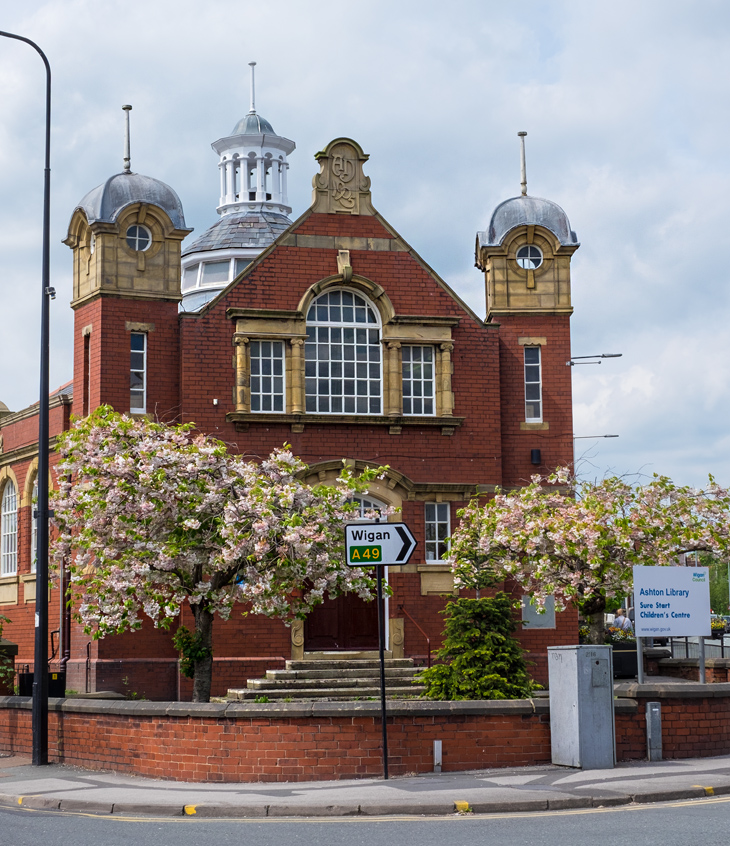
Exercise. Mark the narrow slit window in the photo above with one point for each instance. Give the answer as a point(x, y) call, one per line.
point(34, 527)
point(438, 530)
point(533, 385)
point(418, 380)
point(267, 376)
point(138, 373)
point(9, 531)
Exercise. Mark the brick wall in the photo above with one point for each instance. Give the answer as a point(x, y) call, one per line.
point(248, 742)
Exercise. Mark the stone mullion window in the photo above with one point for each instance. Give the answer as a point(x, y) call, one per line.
point(267, 362)
point(418, 380)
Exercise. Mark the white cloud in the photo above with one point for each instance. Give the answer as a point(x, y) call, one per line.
point(623, 102)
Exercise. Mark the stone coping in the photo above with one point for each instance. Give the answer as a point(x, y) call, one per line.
point(312, 710)
point(672, 690)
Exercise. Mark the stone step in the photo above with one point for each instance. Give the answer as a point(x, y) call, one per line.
point(342, 694)
point(340, 673)
point(303, 684)
point(348, 664)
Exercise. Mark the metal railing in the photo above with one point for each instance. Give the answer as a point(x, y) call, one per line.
point(428, 639)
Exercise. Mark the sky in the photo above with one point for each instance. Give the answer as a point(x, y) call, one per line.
point(626, 109)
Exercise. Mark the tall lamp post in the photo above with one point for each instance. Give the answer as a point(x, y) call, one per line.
point(40, 665)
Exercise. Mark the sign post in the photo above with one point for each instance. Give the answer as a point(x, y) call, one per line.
point(377, 545)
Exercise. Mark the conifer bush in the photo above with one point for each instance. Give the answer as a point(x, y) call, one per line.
point(482, 657)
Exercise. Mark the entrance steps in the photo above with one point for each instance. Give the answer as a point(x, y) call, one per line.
point(331, 677)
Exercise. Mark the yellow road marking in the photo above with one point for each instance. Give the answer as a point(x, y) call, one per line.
point(461, 806)
point(482, 818)
point(190, 810)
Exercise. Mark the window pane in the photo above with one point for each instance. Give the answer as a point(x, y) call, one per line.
point(215, 272)
point(343, 387)
point(267, 390)
point(418, 380)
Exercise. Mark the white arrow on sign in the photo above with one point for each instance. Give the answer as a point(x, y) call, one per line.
point(370, 544)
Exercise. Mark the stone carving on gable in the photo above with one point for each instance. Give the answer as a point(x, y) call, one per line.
point(341, 187)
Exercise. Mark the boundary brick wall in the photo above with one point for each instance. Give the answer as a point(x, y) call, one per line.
point(250, 742)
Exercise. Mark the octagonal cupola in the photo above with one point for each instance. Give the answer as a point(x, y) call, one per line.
point(525, 254)
point(253, 207)
point(253, 165)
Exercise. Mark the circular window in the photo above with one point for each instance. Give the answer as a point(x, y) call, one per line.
point(139, 238)
point(529, 257)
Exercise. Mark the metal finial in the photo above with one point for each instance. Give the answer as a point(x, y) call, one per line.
point(252, 111)
point(523, 163)
point(127, 158)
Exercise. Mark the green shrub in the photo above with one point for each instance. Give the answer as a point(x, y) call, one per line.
point(483, 659)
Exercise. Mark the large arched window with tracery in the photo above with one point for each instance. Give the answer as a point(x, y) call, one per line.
point(9, 531)
point(343, 361)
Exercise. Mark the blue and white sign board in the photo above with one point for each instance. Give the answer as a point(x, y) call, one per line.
point(672, 602)
point(373, 544)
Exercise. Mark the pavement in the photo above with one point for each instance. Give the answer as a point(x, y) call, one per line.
point(542, 788)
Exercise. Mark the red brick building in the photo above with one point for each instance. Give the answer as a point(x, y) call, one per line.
point(337, 338)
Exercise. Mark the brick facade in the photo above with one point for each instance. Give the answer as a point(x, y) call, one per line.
point(477, 439)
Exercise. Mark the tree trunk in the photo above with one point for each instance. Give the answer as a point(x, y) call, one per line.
point(593, 608)
point(203, 668)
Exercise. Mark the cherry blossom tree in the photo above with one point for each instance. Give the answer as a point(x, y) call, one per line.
point(578, 540)
point(153, 517)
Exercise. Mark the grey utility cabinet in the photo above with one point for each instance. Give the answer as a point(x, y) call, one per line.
point(581, 706)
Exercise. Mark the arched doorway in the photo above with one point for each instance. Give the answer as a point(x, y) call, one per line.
point(346, 623)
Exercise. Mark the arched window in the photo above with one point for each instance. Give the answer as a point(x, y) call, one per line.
point(34, 527)
point(9, 531)
point(366, 504)
point(343, 372)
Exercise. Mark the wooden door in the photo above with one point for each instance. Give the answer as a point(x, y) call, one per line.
point(345, 623)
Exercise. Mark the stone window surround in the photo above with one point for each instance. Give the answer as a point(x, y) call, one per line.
point(291, 327)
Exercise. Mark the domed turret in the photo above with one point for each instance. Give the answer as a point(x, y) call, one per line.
point(525, 255)
point(105, 203)
point(126, 235)
point(253, 207)
point(527, 211)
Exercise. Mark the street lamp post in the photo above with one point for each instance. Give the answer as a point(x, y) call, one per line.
point(40, 665)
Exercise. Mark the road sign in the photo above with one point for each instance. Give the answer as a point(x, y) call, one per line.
point(372, 544)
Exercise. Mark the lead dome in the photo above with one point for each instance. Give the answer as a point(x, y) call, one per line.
point(527, 211)
point(104, 203)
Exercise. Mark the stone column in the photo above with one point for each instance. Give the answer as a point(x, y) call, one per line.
point(394, 392)
point(242, 373)
point(297, 376)
point(447, 399)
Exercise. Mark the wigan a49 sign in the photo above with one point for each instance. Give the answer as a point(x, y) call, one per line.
point(373, 544)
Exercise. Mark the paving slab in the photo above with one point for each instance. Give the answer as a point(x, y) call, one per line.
point(518, 790)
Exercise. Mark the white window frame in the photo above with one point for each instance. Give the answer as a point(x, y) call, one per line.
point(34, 526)
point(436, 514)
point(143, 408)
point(531, 257)
point(531, 382)
point(258, 379)
point(9, 530)
point(412, 385)
point(133, 241)
point(331, 372)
